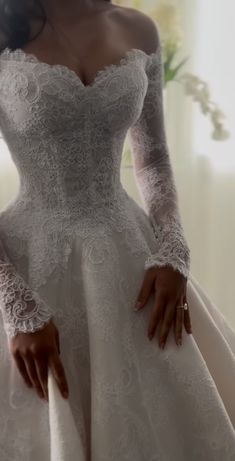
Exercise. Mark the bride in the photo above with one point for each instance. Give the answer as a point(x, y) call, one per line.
point(110, 349)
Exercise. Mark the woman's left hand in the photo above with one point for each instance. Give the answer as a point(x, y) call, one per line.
point(170, 288)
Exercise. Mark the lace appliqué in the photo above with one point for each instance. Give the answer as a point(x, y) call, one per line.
point(154, 176)
point(67, 143)
point(23, 310)
point(66, 140)
point(158, 192)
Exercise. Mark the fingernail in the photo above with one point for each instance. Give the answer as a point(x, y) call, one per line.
point(179, 342)
point(150, 336)
point(137, 306)
point(162, 344)
point(65, 394)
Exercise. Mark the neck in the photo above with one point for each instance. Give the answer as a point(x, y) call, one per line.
point(69, 10)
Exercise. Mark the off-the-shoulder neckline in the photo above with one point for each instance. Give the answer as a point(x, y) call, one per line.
point(20, 55)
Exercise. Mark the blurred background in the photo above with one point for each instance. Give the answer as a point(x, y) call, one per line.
point(199, 107)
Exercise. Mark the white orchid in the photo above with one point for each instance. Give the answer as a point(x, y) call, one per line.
point(219, 133)
point(168, 20)
point(200, 93)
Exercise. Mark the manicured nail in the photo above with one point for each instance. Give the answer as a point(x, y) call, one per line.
point(179, 342)
point(162, 344)
point(137, 306)
point(65, 394)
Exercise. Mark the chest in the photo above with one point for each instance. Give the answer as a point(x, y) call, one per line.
point(36, 97)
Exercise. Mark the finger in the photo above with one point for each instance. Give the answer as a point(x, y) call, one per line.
point(59, 374)
point(166, 323)
point(156, 314)
point(42, 372)
point(32, 372)
point(145, 290)
point(22, 369)
point(57, 337)
point(187, 319)
point(179, 320)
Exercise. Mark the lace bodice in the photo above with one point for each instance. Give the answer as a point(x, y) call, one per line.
point(66, 140)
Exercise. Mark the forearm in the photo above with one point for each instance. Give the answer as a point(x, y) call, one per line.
point(154, 174)
point(158, 191)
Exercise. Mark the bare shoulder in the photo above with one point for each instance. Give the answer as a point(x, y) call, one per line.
point(142, 28)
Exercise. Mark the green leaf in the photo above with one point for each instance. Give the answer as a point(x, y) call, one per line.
point(171, 73)
point(169, 58)
point(181, 64)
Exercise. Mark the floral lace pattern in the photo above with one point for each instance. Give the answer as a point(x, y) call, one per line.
point(69, 163)
point(81, 176)
point(74, 245)
point(154, 176)
point(23, 310)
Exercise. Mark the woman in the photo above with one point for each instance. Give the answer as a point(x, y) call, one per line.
point(78, 254)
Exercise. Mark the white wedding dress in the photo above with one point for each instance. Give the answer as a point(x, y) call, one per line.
point(75, 246)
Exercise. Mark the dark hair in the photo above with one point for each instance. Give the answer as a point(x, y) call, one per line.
point(20, 22)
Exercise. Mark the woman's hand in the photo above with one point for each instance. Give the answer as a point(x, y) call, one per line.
point(170, 291)
point(33, 353)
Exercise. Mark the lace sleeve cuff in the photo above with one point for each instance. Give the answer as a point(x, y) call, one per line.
point(173, 252)
point(22, 309)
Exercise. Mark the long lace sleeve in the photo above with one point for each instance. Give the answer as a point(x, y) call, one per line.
point(154, 175)
point(22, 309)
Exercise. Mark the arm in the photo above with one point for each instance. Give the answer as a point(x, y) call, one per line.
point(24, 312)
point(154, 176)
point(22, 309)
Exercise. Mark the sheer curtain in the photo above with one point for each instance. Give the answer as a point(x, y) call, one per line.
point(204, 169)
point(9, 179)
point(215, 162)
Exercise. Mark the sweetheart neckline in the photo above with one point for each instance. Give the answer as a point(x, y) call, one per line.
point(19, 53)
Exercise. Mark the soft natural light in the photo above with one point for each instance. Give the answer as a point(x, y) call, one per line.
point(4, 154)
point(214, 63)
